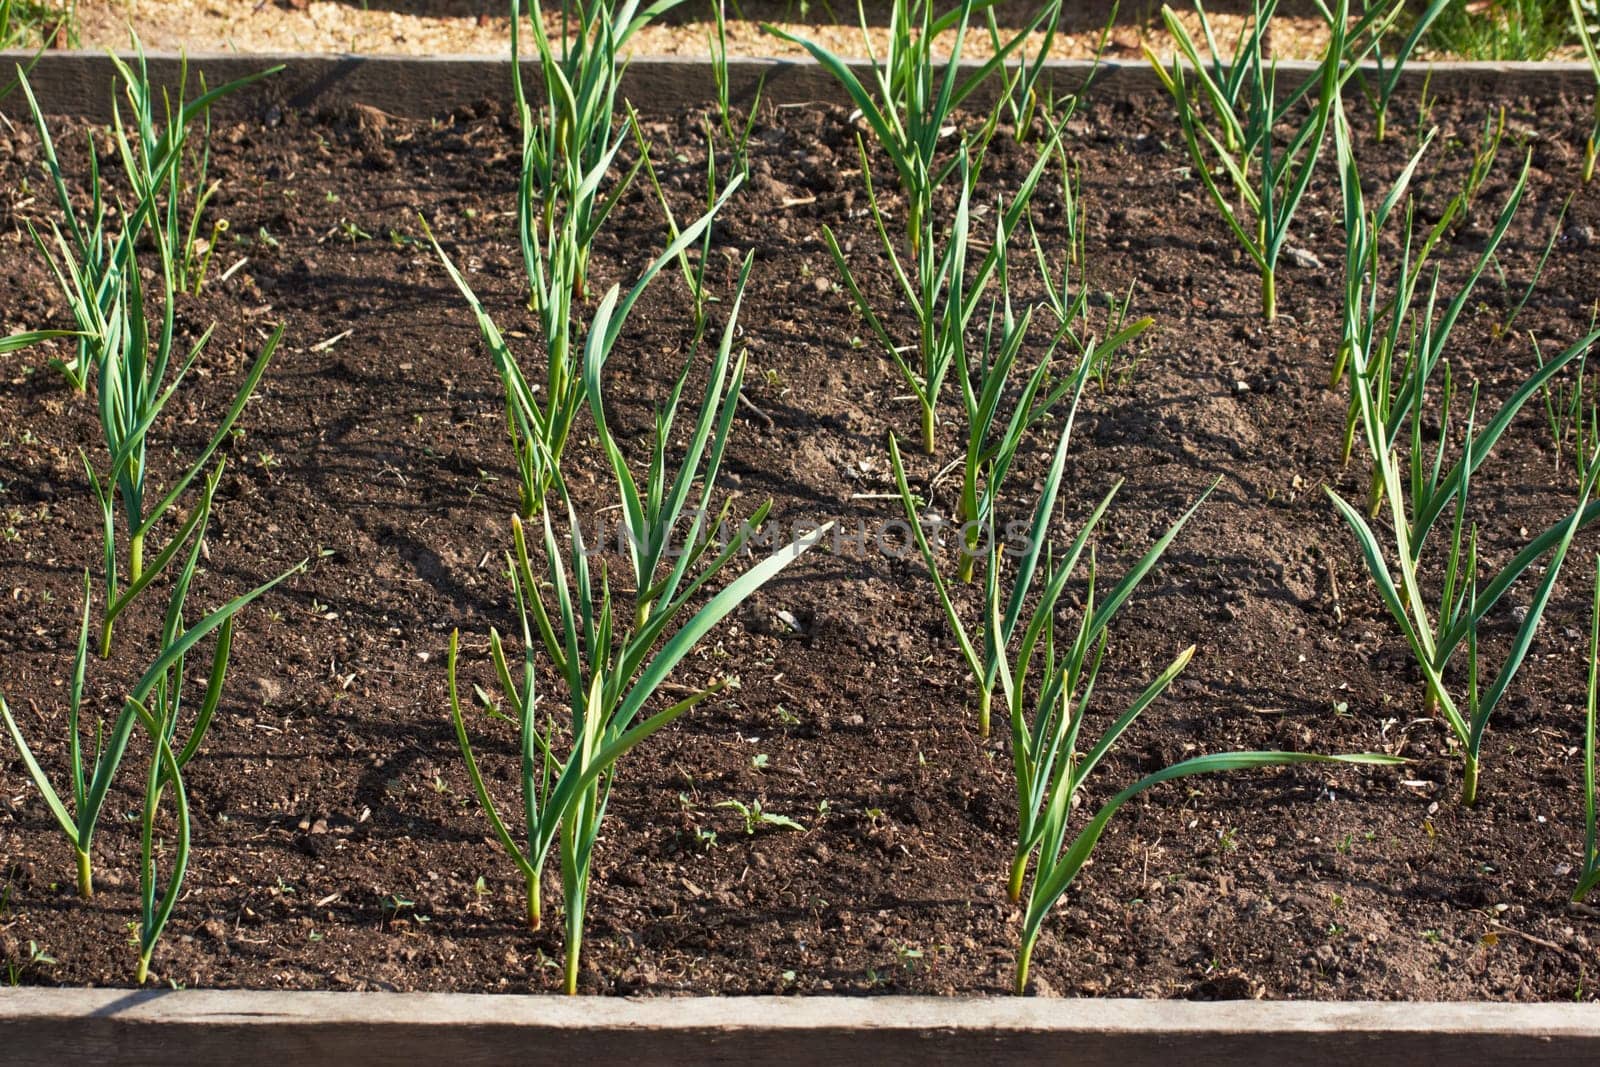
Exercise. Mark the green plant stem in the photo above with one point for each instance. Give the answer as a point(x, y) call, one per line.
point(534, 907)
point(141, 975)
point(574, 946)
point(1269, 294)
point(1374, 491)
point(984, 703)
point(1340, 359)
point(965, 568)
point(928, 443)
point(1469, 781)
point(135, 572)
point(1019, 871)
point(85, 875)
point(1024, 958)
point(1589, 875)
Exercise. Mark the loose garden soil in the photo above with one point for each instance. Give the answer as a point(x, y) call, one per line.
point(337, 843)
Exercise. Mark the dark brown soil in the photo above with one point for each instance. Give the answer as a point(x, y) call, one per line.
point(337, 843)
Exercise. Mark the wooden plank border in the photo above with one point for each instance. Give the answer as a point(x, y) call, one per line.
point(80, 83)
point(113, 1028)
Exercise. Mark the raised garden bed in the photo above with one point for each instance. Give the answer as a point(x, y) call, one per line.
point(337, 844)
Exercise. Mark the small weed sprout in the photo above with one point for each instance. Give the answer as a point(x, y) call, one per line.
point(755, 817)
point(37, 958)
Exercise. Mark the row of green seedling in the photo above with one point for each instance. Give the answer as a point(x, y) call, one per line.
point(612, 652)
point(1012, 647)
point(1425, 454)
point(1231, 109)
point(126, 351)
point(570, 140)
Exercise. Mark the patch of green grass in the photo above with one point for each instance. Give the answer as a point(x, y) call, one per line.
point(26, 25)
point(1501, 29)
point(30, 24)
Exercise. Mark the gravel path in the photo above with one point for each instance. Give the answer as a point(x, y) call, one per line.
point(478, 27)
